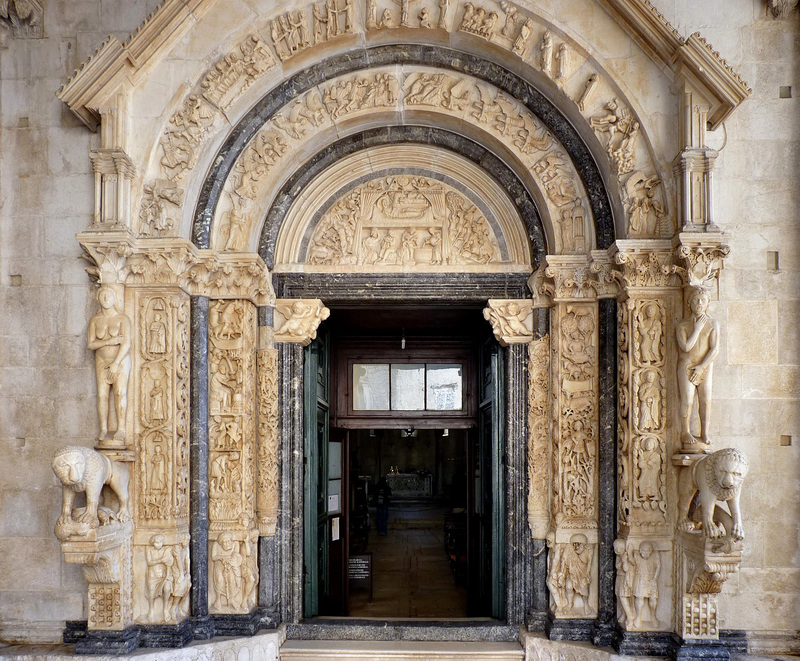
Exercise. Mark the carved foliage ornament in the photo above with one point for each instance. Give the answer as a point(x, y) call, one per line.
point(538, 436)
point(268, 467)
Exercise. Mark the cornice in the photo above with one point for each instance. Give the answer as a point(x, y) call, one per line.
point(691, 59)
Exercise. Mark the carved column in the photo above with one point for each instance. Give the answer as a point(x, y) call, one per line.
point(573, 536)
point(267, 456)
point(233, 535)
point(160, 384)
point(647, 306)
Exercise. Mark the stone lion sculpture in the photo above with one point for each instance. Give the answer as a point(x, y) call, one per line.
point(84, 469)
point(713, 477)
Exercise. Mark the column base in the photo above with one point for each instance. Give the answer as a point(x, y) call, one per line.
point(645, 643)
point(108, 642)
point(166, 635)
point(536, 621)
point(568, 629)
point(604, 632)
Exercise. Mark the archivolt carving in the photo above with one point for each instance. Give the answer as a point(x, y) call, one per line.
point(360, 93)
point(159, 213)
point(332, 19)
point(646, 214)
point(290, 33)
point(621, 129)
point(403, 221)
point(184, 134)
point(236, 72)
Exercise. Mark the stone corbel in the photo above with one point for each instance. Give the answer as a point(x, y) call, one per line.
point(511, 320)
point(703, 258)
point(297, 320)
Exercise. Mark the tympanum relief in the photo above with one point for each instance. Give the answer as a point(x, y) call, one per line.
point(403, 221)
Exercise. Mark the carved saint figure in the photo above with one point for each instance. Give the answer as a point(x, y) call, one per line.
point(227, 563)
point(562, 62)
point(424, 18)
point(158, 580)
point(521, 43)
point(649, 401)
point(157, 402)
point(158, 470)
point(546, 53)
point(157, 335)
point(443, 6)
point(249, 569)
point(646, 568)
point(650, 333)
point(649, 463)
point(698, 346)
point(372, 14)
point(110, 339)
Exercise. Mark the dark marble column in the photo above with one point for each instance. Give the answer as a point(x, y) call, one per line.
point(539, 599)
point(518, 536)
point(290, 513)
point(199, 468)
point(605, 624)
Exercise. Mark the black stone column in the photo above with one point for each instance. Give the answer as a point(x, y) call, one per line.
point(605, 624)
point(539, 599)
point(198, 465)
point(518, 536)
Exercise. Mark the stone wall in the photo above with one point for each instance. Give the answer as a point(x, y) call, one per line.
point(47, 385)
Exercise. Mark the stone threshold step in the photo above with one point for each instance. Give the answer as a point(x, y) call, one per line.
point(405, 650)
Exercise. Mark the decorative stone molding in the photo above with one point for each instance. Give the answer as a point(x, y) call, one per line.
point(703, 257)
point(297, 320)
point(116, 256)
point(539, 436)
point(511, 320)
point(645, 264)
point(268, 471)
point(113, 173)
point(23, 18)
point(233, 570)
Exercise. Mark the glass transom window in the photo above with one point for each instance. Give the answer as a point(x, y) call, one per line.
point(407, 387)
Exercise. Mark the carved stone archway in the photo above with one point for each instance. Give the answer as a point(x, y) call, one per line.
point(234, 198)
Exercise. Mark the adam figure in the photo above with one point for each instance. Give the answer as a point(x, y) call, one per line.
point(698, 346)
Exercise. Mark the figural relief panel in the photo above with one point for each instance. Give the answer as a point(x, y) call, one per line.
point(231, 76)
point(539, 436)
point(268, 471)
point(232, 456)
point(403, 221)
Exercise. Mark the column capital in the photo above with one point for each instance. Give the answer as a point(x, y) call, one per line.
point(645, 264)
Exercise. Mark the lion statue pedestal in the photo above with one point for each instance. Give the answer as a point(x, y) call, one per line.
point(99, 537)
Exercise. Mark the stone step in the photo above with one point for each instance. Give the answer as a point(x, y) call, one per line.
point(363, 650)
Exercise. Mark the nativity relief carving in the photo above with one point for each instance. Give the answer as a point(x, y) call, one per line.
point(406, 222)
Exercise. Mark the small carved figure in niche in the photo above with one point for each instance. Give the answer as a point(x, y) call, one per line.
point(546, 53)
point(371, 247)
point(405, 9)
point(650, 333)
point(649, 463)
point(157, 402)
point(714, 477)
point(562, 62)
point(588, 88)
point(218, 475)
point(443, 7)
point(235, 224)
point(424, 18)
point(181, 580)
point(520, 46)
point(158, 470)
point(227, 563)
point(84, 469)
point(565, 226)
point(157, 335)
point(698, 346)
point(223, 382)
point(372, 14)
point(158, 580)
point(649, 401)
point(646, 568)
point(349, 16)
point(624, 584)
point(110, 339)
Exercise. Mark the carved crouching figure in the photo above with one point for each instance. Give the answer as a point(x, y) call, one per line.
point(84, 469)
point(713, 477)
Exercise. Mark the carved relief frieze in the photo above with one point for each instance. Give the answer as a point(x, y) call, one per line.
point(511, 320)
point(184, 134)
point(479, 21)
point(362, 92)
point(290, 33)
point(619, 127)
point(539, 436)
point(332, 18)
point(403, 221)
point(647, 216)
point(268, 449)
point(232, 455)
point(159, 212)
point(437, 90)
point(231, 76)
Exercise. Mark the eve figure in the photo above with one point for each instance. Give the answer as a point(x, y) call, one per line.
point(698, 346)
point(110, 339)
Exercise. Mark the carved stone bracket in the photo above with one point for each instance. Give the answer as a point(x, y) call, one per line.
point(297, 320)
point(116, 256)
point(511, 320)
point(703, 257)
